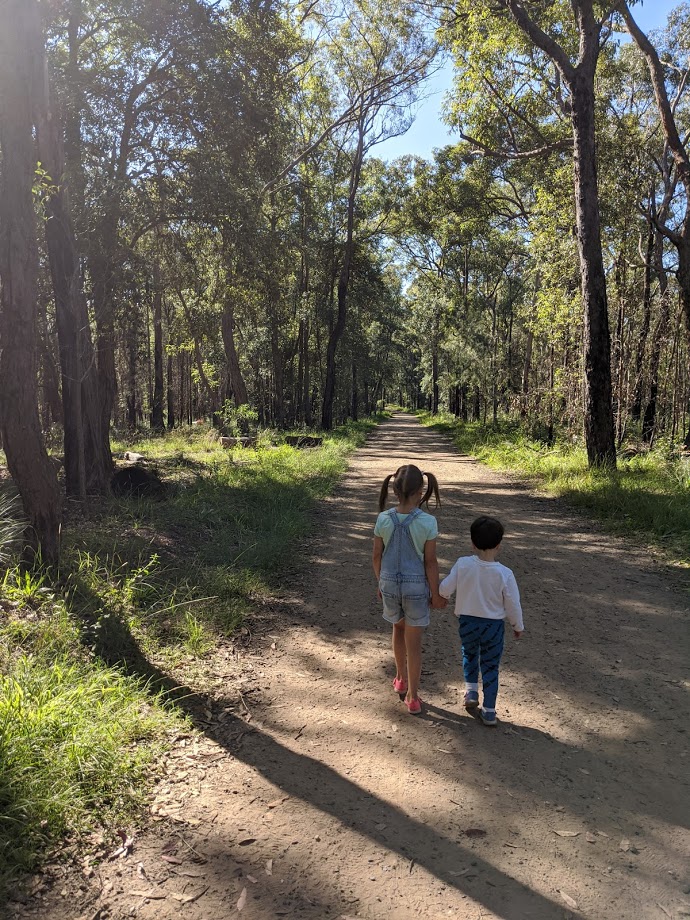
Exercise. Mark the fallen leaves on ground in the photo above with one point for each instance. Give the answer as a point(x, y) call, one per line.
point(571, 902)
point(126, 848)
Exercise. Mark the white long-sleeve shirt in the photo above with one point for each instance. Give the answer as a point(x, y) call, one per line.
point(484, 589)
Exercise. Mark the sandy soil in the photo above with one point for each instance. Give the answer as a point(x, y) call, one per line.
point(313, 794)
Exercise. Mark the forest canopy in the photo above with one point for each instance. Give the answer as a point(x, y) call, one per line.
point(195, 224)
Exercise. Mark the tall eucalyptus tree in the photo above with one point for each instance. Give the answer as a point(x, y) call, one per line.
point(553, 48)
point(21, 76)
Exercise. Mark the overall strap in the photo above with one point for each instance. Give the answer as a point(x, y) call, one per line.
point(395, 517)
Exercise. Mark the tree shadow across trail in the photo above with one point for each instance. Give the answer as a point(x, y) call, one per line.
point(597, 683)
point(321, 787)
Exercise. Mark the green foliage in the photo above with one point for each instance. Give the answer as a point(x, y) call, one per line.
point(24, 587)
point(78, 741)
point(648, 497)
point(238, 420)
point(43, 189)
point(11, 527)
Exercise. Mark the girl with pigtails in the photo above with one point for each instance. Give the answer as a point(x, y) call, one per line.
point(405, 564)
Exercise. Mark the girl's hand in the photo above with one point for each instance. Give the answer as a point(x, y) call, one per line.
point(518, 633)
point(438, 602)
point(378, 594)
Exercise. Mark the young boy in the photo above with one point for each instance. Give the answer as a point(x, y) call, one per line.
point(486, 594)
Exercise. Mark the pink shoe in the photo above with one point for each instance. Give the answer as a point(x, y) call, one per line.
point(414, 706)
point(400, 685)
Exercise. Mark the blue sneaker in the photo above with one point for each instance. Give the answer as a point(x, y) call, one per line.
point(471, 700)
point(488, 717)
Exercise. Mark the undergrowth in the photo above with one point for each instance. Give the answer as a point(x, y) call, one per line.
point(647, 496)
point(78, 739)
point(93, 657)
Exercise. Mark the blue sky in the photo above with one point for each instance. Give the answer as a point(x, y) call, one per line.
point(429, 131)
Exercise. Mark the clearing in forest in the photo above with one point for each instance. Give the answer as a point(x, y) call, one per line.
point(312, 793)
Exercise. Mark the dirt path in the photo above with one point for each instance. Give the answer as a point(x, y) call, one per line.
point(332, 801)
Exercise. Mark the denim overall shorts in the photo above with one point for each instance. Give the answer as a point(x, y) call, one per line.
point(403, 581)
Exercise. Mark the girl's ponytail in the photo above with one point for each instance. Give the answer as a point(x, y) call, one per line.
point(383, 496)
point(432, 489)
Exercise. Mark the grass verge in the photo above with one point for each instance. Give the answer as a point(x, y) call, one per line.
point(91, 656)
point(78, 740)
point(647, 496)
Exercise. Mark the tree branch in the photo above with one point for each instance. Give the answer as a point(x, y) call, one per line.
point(516, 154)
point(540, 38)
point(656, 71)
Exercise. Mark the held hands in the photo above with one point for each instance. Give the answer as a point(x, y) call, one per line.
point(518, 633)
point(437, 602)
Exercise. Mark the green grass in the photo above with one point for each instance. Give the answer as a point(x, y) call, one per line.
point(183, 572)
point(94, 656)
point(78, 740)
point(647, 497)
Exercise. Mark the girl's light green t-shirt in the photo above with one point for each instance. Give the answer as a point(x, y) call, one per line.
point(423, 528)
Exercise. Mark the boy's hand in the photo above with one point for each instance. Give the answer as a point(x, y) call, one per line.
point(518, 633)
point(378, 594)
point(438, 602)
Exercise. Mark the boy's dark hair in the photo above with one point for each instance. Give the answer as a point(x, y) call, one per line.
point(486, 532)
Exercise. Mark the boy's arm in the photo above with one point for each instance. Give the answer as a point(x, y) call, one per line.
point(431, 570)
point(449, 584)
point(512, 606)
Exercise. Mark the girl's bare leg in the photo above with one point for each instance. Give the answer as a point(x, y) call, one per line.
point(399, 650)
point(413, 646)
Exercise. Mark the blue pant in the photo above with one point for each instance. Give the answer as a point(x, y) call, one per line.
point(482, 647)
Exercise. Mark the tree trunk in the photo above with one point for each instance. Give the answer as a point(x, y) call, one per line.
point(181, 378)
point(32, 471)
point(299, 384)
point(355, 393)
point(306, 390)
point(132, 351)
point(88, 461)
point(236, 383)
point(525, 374)
point(171, 393)
point(278, 400)
point(636, 408)
point(101, 270)
point(343, 284)
point(74, 106)
point(157, 422)
point(434, 381)
point(599, 430)
point(477, 405)
point(684, 286)
point(619, 358)
point(52, 401)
